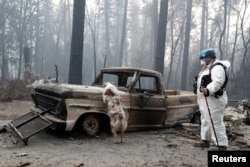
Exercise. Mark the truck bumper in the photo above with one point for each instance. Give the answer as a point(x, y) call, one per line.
point(58, 124)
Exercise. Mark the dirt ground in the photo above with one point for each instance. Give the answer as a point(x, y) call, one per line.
point(160, 148)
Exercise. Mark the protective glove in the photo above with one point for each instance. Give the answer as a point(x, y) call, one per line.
point(205, 91)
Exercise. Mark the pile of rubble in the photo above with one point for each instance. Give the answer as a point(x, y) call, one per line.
point(235, 116)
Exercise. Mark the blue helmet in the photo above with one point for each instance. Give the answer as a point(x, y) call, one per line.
point(207, 52)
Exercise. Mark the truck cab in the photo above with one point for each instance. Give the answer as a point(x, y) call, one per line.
point(147, 106)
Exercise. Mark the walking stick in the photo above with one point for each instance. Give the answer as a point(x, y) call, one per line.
point(212, 123)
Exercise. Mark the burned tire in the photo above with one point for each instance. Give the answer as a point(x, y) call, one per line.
point(91, 124)
point(197, 118)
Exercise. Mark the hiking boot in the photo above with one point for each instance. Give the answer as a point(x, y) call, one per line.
point(216, 148)
point(202, 144)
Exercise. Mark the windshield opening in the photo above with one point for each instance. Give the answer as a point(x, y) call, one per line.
point(119, 79)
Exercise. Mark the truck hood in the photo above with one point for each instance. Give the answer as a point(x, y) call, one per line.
point(68, 90)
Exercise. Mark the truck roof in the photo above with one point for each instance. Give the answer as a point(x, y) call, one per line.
point(131, 69)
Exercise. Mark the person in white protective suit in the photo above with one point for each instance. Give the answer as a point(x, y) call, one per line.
point(215, 94)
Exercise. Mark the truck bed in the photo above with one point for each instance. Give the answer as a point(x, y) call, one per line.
point(179, 99)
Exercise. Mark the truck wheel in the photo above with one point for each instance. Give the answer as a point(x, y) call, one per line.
point(91, 124)
point(197, 118)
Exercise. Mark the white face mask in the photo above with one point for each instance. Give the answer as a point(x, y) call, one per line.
point(203, 62)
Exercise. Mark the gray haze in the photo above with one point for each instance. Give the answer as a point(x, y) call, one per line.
point(112, 30)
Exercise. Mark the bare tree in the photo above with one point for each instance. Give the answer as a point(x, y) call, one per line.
point(224, 28)
point(174, 43)
point(203, 18)
point(24, 19)
point(76, 54)
point(37, 54)
point(20, 35)
point(244, 72)
point(154, 20)
point(161, 37)
point(60, 26)
point(3, 41)
point(92, 21)
point(227, 36)
point(123, 33)
point(184, 72)
point(232, 72)
point(107, 39)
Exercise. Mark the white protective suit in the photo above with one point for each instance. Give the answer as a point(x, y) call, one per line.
point(216, 105)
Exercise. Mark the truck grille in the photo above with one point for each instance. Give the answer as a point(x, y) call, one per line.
point(46, 102)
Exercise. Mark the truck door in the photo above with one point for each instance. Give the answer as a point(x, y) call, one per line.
point(147, 103)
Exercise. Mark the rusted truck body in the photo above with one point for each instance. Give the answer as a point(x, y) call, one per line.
point(143, 98)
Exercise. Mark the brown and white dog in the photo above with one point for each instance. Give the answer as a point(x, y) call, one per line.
point(118, 121)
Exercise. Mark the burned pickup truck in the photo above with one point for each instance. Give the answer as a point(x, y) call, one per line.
point(143, 98)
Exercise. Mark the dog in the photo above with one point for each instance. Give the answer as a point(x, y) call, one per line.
point(118, 121)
